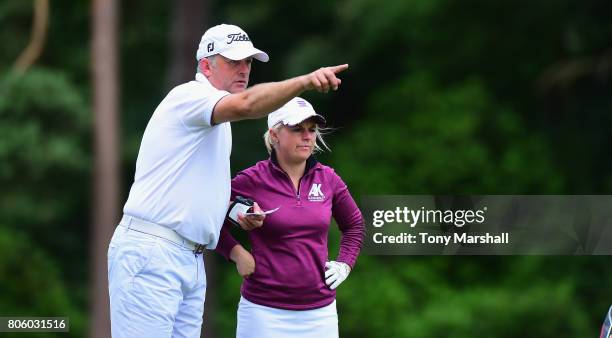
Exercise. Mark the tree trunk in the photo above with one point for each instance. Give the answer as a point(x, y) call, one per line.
point(106, 165)
point(189, 21)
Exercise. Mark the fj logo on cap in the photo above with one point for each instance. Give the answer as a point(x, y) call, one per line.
point(210, 47)
point(315, 194)
point(237, 37)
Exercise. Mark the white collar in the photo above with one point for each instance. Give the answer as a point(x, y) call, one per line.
point(201, 78)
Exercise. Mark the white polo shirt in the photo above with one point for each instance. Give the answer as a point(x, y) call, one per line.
point(182, 177)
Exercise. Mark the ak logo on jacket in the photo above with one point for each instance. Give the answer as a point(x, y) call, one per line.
point(315, 194)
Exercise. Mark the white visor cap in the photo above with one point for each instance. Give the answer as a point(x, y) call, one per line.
point(293, 113)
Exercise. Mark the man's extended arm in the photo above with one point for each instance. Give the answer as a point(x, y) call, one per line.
point(259, 100)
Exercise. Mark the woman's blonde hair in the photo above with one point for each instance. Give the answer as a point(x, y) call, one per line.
point(320, 144)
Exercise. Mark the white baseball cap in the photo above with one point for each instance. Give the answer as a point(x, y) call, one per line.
point(230, 41)
point(293, 113)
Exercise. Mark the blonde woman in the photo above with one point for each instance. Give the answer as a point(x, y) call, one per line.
point(289, 285)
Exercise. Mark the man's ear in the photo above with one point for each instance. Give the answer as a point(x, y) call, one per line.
point(205, 67)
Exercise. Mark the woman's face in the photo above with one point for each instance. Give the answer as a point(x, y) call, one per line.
point(295, 144)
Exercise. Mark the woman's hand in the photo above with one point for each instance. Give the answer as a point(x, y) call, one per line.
point(245, 263)
point(251, 222)
point(336, 273)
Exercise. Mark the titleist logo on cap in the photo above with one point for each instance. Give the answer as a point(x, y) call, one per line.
point(237, 37)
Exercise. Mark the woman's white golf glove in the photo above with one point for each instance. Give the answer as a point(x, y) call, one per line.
point(336, 273)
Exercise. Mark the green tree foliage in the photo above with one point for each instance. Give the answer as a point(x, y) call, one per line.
point(44, 166)
point(461, 297)
point(43, 148)
point(418, 139)
point(31, 284)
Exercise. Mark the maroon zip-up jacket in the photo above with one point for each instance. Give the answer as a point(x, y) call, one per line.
point(290, 249)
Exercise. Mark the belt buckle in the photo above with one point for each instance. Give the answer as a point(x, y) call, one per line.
point(199, 248)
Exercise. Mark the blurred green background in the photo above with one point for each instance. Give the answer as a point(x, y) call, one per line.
point(442, 96)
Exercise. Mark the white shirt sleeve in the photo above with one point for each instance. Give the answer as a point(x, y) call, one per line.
point(197, 105)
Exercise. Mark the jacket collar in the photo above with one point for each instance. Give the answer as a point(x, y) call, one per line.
point(311, 162)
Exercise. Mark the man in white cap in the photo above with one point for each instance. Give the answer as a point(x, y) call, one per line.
point(181, 188)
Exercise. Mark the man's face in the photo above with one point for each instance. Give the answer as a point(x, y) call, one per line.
point(229, 75)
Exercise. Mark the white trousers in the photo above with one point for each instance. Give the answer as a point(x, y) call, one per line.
point(258, 321)
point(156, 287)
